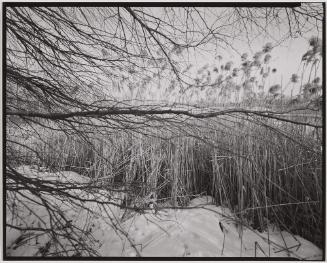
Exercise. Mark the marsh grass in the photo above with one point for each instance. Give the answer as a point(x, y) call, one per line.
point(265, 173)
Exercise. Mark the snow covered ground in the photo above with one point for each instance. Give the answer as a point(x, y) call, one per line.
point(200, 230)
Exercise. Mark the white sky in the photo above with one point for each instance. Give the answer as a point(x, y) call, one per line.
point(286, 56)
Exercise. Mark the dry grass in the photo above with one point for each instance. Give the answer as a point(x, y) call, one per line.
point(266, 172)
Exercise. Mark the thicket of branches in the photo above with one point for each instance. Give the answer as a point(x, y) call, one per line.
point(65, 68)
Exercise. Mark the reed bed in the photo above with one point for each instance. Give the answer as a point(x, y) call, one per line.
point(264, 171)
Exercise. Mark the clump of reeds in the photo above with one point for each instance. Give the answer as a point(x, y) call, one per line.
point(265, 171)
